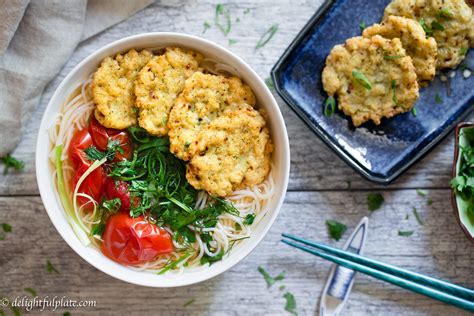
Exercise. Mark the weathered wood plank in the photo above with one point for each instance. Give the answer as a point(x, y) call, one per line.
point(437, 248)
point(314, 166)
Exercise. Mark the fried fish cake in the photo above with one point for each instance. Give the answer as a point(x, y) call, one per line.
point(203, 98)
point(422, 50)
point(158, 85)
point(368, 86)
point(450, 22)
point(112, 88)
point(232, 152)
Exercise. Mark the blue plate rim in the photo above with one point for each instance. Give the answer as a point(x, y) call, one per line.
point(320, 132)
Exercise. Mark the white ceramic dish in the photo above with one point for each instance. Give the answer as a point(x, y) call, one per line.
point(281, 158)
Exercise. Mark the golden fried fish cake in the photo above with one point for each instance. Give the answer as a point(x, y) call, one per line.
point(422, 50)
point(158, 85)
point(112, 88)
point(203, 98)
point(390, 85)
point(232, 152)
point(450, 22)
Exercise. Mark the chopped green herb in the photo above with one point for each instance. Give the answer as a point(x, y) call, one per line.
point(31, 291)
point(329, 106)
point(172, 264)
point(361, 79)
point(421, 192)
point(247, 11)
point(394, 92)
point(222, 19)
point(362, 25)
point(113, 147)
point(269, 279)
point(290, 305)
point(406, 233)
point(438, 98)
point(282, 287)
point(112, 206)
point(11, 162)
point(207, 26)
point(463, 51)
point(189, 302)
point(249, 219)
point(429, 202)
point(7, 228)
point(425, 27)
point(267, 36)
point(50, 268)
point(232, 41)
point(407, 217)
point(269, 83)
point(335, 229)
point(97, 229)
point(66, 314)
point(388, 57)
point(414, 112)
point(444, 13)
point(463, 67)
point(208, 259)
point(435, 25)
point(374, 201)
point(417, 216)
point(16, 311)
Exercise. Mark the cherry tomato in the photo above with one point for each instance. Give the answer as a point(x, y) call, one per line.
point(93, 183)
point(132, 241)
point(101, 135)
point(118, 189)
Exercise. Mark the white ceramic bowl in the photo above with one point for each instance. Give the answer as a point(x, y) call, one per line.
point(281, 158)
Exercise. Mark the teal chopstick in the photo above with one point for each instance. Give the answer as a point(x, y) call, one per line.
point(399, 281)
point(441, 285)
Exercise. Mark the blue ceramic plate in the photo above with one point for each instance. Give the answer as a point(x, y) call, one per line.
point(380, 153)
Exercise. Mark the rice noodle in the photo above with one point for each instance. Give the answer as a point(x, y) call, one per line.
point(228, 232)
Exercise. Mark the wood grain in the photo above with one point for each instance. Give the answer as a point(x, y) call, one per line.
point(318, 191)
point(437, 248)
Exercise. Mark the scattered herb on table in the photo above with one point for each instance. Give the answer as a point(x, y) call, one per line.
point(267, 36)
point(335, 229)
point(329, 106)
point(7, 228)
point(247, 11)
point(362, 25)
point(222, 19)
point(66, 314)
point(374, 201)
point(50, 268)
point(232, 41)
point(405, 233)
point(206, 26)
point(191, 301)
point(438, 99)
point(269, 83)
point(414, 112)
point(417, 216)
point(11, 162)
point(421, 192)
point(268, 278)
point(290, 305)
point(31, 291)
point(361, 79)
point(429, 202)
point(282, 287)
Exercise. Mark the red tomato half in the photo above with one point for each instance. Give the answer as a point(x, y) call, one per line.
point(93, 183)
point(132, 241)
point(118, 189)
point(101, 135)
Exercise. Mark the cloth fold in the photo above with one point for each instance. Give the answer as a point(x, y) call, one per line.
point(36, 39)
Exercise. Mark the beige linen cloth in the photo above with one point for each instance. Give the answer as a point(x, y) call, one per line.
point(36, 39)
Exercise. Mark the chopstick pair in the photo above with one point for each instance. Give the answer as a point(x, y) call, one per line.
point(434, 288)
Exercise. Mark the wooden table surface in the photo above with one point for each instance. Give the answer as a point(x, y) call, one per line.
point(318, 191)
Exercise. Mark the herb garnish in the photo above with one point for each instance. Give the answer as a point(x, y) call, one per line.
point(406, 233)
point(50, 268)
point(374, 201)
point(206, 26)
point(290, 305)
point(113, 146)
point(222, 19)
point(335, 229)
point(232, 41)
point(247, 11)
point(421, 192)
point(7, 228)
point(438, 99)
point(429, 202)
point(394, 94)
point(435, 25)
point(361, 79)
point(191, 301)
point(267, 36)
point(463, 51)
point(329, 106)
point(444, 13)
point(425, 27)
point(66, 314)
point(269, 279)
point(388, 57)
point(11, 162)
point(463, 183)
point(362, 25)
point(31, 291)
point(249, 219)
point(269, 83)
point(418, 217)
point(414, 112)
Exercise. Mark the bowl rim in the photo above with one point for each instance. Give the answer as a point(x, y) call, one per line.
point(49, 194)
point(454, 174)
